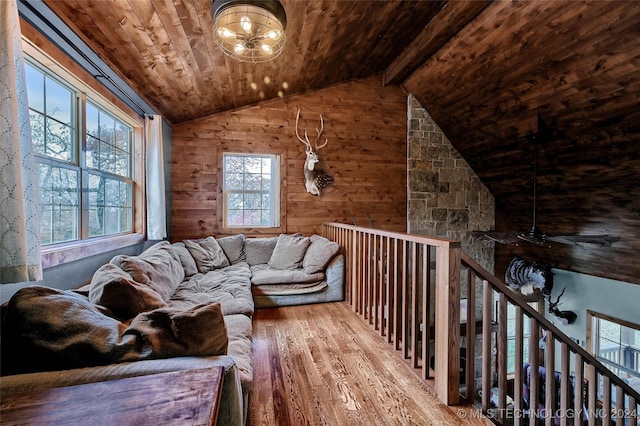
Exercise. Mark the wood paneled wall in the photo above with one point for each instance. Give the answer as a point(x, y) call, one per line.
point(366, 125)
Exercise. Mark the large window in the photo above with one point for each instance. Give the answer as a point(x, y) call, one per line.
point(616, 344)
point(251, 190)
point(84, 156)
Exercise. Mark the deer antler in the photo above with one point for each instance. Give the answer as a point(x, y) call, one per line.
point(326, 140)
point(554, 304)
point(306, 139)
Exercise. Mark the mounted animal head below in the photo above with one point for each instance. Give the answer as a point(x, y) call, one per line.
point(566, 317)
point(527, 277)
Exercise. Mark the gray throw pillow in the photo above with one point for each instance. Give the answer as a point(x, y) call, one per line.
point(187, 261)
point(207, 253)
point(319, 253)
point(259, 250)
point(233, 248)
point(289, 251)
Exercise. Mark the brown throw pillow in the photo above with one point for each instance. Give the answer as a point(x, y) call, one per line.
point(115, 289)
point(167, 332)
point(46, 329)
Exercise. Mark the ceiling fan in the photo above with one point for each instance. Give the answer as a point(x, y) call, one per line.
point(534, 235)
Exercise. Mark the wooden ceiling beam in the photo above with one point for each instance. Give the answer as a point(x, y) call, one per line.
point(454, 16)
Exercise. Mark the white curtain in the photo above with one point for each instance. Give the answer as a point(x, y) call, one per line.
point(156, 208)
point(19, 224)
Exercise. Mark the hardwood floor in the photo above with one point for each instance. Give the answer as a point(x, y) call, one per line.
point(321, 365)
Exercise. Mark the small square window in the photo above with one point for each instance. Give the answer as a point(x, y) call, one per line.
point(251, 190)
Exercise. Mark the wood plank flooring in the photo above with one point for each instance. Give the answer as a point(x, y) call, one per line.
point(322, 365)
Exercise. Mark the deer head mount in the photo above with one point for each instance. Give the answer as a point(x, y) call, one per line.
point(314, 179)
point(566, 317)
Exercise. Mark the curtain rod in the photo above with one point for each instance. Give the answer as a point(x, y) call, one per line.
point(101, 74)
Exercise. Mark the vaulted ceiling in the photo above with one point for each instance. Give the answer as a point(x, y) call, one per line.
point(483, 70)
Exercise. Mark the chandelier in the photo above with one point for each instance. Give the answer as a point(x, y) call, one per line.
point(249, 30)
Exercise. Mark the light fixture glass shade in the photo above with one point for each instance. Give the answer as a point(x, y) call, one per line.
point(249, 31)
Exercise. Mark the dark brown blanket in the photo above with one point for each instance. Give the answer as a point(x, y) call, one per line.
point(47, 329)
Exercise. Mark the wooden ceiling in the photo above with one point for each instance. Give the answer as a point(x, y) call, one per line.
point(483, 70)
point(165, 49)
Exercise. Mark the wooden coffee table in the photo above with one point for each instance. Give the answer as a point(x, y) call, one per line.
point(189, 397)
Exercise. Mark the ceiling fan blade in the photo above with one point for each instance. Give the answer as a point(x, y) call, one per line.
point(575, 239)
point(533, 239)
point(498, 237)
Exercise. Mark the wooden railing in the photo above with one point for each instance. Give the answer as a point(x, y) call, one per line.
point(410, 289)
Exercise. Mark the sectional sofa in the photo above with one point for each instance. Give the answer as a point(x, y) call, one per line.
point(174, 307)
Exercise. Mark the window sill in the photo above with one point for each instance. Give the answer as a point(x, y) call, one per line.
point(60, 254)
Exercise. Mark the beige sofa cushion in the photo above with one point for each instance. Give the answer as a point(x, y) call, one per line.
point(116, 290)
point(259, 250)
point(319, 253)
point(266, 275)
point(157, 267)
point(233, 248)
point(187, 261)
point(207, 253)
point(289, 251)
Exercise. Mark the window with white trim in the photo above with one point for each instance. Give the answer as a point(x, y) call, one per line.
point(251, 190)
point(615, 343)
point(84, 155)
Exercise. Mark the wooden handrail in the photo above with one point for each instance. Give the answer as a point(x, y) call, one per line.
point(408, 288)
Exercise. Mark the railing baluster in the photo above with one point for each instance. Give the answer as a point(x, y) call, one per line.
point(533, 372)
point(564, 382)
point(606, 399)
point(391, 258)
point(592, 396)
point(396, 295)
point(374, 284)
point(517, 379)
point(405, 305)
point(414, 304)
point(424, 332)
point(578, 402)
point(471, 336)
point(550, 379)
point(487, 318)
point(502, 354)
point(620, 408)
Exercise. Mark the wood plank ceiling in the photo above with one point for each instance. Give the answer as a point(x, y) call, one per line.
point(482, 69)
point(166, 49)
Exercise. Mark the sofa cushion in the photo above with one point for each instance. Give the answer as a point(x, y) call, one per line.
point(259, 250)
point(230, 286)
point(319, 253)
point(265, 275)
point(158, 267)
point(207, 253)
point(233, 248)
point(289, 251)
point(240, 348)
point(289, 289)
point(199, 330)
point(115, 289)
point(187, 261)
